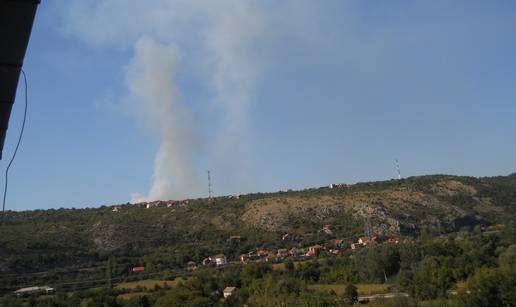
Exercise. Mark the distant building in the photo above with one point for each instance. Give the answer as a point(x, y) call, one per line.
point(392, 241)
point(270, 257)
point(327, 229)
point(366, 240)
point(34, 291)
point(338, 243)
point(244, 257)
point(220, 259)
point(206, 261)
point(236, 238)
point(261, 253)
point(287, 237)
point(294, 252)
point(314, 250)
point(228, 291)
point(310, 253)
point(191, 266)
point(282, 253)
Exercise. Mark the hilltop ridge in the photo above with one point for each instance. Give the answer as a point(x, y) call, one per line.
point(38, 240)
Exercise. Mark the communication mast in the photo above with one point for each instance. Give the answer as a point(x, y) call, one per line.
point(398, 169)
point(368, 227)
point(210, 191)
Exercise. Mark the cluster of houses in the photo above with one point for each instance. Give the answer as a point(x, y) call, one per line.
point(261, 255)
point(218, 260)
point(338, 185)
point(155, 204)
point(332, 247)
point(162, 203)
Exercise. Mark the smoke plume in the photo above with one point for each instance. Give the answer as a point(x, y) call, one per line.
point(150, 79)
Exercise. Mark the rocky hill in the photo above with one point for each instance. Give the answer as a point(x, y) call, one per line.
point(33, 241)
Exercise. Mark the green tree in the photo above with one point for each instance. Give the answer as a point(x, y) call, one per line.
point(351, 293)
point(289, 266)
point(432, 277)
point(508, 257)
point(490, 287)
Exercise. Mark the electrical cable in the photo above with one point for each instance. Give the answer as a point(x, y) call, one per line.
point(17, 144)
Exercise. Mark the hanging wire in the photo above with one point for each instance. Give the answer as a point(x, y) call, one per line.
point(17, 144)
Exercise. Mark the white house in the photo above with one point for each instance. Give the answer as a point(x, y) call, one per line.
point(34, 291)
point(228, 291)
point(220, 259)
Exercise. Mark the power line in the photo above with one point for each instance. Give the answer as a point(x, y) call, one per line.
point(17, 144)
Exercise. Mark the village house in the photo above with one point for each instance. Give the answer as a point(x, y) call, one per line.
point(138, 269)
point(261, 253)
point(270, 257)
point(338, 243)
point(366, 240)
point(34, 291)
point(206, 261)
point(117, 209)
point(244, 258)
point(191, 266)
point(295, 252)
point(140, 204)
point(220, 259)
point(228, 291)
point(287, 237)
point(314, 250)
point(236, 238)
point(392, 241)
point(282, 253)
point(327, 229)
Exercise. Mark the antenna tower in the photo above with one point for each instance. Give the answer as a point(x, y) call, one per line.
point(368, 227)
point(398, 169)
point(210, 191)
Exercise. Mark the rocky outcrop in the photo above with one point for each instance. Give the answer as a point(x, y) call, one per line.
point(392, 210)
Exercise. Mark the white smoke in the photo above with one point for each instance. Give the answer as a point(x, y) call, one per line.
point(223, 41)
point(150, 79)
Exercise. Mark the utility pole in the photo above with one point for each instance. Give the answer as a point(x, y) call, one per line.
point(210, 191)
point(398, 169)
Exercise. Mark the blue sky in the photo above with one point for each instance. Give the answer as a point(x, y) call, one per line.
point(265, 95)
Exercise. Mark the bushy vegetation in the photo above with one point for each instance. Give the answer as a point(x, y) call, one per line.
point(83, 253)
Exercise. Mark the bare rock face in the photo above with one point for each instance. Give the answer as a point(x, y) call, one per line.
point(452, 187)
point(392, 210)
point(272, 214)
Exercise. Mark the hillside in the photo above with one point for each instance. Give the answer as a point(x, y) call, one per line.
point(169, 234)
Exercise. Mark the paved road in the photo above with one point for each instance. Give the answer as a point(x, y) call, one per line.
point(367, 298)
